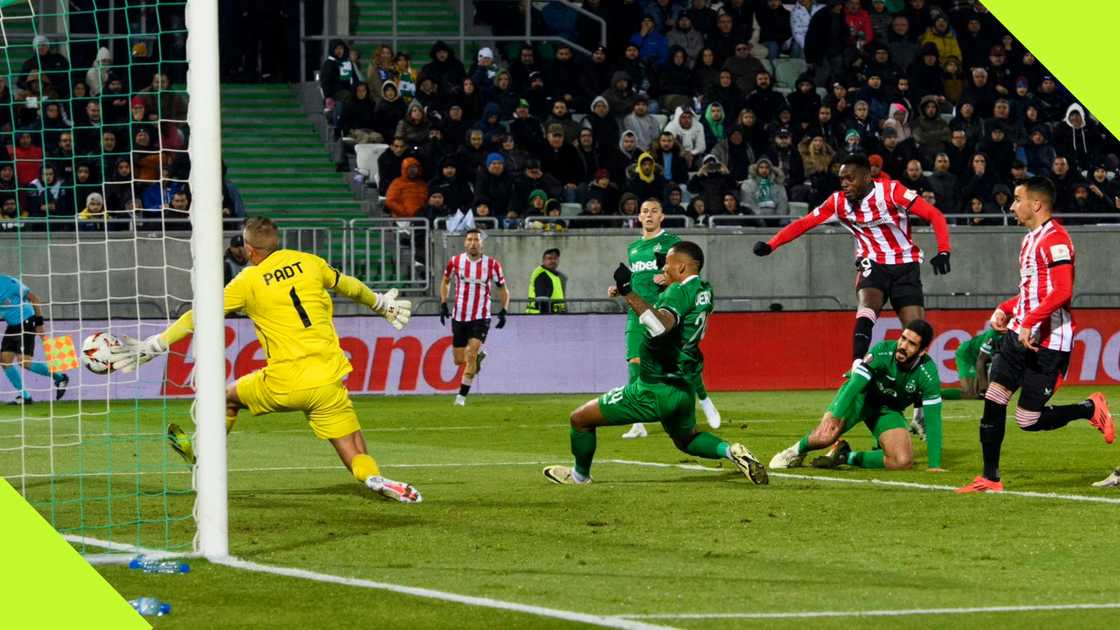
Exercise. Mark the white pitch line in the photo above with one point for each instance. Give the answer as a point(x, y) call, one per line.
point(817, 614)
point(468, 600)
point(879, 482)
point(281, 469)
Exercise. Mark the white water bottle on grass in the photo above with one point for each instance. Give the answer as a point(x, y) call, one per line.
point(150, 607)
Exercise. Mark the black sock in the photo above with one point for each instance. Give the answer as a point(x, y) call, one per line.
point(464, 389)
point(992, 427)
point(861, 337)
point(1056, 417)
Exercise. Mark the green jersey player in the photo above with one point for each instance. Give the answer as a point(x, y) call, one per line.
point(893, 376)
point(646, 256)
point(973, 358)
point(670, 364)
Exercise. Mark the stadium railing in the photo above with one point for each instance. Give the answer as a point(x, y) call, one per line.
point(610, 221)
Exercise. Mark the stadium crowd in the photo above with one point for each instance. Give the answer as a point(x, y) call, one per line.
point(97, 144)
point(721, 109)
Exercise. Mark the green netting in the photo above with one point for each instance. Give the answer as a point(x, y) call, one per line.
point(99, 114)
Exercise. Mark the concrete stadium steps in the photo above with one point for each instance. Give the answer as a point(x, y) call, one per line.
point(275, 157)
point(439, 18)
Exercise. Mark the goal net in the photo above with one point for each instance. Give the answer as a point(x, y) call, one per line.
point(96, 235)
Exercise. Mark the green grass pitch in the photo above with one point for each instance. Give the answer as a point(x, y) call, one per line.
point(642, 540)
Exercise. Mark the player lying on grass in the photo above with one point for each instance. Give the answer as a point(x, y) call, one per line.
point(285, 293)
point(893, 376)
point(973, 359)
point(670, 364)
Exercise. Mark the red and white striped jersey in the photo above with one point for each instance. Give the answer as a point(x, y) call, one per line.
point(880, 224)
point(472, 285)
point(1044, 249)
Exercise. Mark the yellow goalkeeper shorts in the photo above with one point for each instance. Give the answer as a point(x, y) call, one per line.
point(328, 407)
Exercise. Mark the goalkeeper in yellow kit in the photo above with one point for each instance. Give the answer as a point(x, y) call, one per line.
point(285, 293)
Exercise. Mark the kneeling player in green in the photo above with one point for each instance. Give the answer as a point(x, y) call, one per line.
point(894, 375)
point(670, 362)
point(973, 358)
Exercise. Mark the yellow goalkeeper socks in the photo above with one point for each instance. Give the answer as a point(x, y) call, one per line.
point(364, 467)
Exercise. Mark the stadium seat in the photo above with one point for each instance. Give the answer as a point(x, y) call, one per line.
point(367, 160)
point(661, 119)
point(786, 71)
point(767, 65)
point(798, 208)
point(570, 209)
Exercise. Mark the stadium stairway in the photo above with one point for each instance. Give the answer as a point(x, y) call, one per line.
point(438, 18)
point(275, 157)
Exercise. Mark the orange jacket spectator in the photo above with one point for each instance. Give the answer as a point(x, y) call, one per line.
point(409, 192)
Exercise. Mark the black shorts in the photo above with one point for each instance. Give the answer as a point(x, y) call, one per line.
point(19, 338)
point(461, 332)
point(1014, 366)
point(901, 284)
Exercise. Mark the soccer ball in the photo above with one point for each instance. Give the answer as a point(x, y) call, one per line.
point(97, 352)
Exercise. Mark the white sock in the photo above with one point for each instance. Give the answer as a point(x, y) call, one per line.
point(708, 407)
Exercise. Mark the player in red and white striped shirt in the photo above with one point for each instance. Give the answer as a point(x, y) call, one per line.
point(887, 258)
point(474, 272)
point(1037, 352)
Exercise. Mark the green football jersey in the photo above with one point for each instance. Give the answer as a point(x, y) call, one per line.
point(642, 257)
point(892, 385)
point(675, 355)
point(984, 343)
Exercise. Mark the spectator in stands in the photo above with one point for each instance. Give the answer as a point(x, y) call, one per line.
point(664, 13)
point(496, 186)
point(774, 29)
point(645, 179)
point(590, 158)
point(436, 208)
point(92, 215)
point(563, 78)
point(50, 67)
point(725, 92)
point(944, 184)
point(688, 133)
point(603, 189)
point(675, 81)
point(1064, 179)
point(453, 128)
point(390, 111)
point(804, 102)
point(28, 158)
point(980, 93)
point(744, 69)
point(673, 200)
point(736, 153)
point(764, 190)
point(405, 77)
point(48, 196)
point(712, 181)
point(953, 80)
point(534, 179)
point(826, 42)
point(592, 208)
point(966, 119)
point(698, 211)
point(389, 164)
point(469, 98)
point(604, 127)
point(98, 74)
point(1000, 152)
point(1077, 138)
point(456, 191)
point(764, 101)
point(875, 167)
point(667, 152)
point(913, 178)
point(562, 161)
point(784, 156)
point(1105, 191)
point(523, 66)
point(980, 212)
point(484, 70)
point(360, 118)
point(415, 128)
point(859, 24)
point(596, 78)
point(687, 38)
point(562, 117)
point(233, 208)
point(234, 259)
point(1001, 203)
point(930, 132)
point(408, 193)
point(725, 39)
point(799, 19)
point(620, 96)
point(119, 187)
point(641, 123)
point(715, 130)
point(178, 213)
point(816, 154)
point(960, 152)
point(338, 76)
point(733, 214)
point(444, 69)
point(652, 46)
point(941, 35)
point(982, 181)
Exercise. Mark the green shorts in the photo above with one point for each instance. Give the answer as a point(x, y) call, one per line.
point(673, 406)
point(878, 417)
point(965, 368)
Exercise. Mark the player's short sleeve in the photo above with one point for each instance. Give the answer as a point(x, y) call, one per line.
point(901, 196)
point(498, 274)
point(449, 270)
point(1056, 250)
point(675, 300)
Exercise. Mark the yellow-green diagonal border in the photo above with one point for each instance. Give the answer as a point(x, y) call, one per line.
point(1076, 41)
point(45, 582)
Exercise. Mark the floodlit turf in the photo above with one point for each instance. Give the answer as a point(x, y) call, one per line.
point(642, 540)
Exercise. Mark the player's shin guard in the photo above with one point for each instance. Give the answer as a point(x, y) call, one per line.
point(39, 367)
point(861, 336)
point(706, 445)
point(1058, 416)
point(465, 384)
point(803, 445)
point(992, 428)
point(583, 450)
point(15, 377)
point(867, 459)
point(363, 467)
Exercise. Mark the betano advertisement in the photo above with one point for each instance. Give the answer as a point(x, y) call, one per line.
point(584, 353)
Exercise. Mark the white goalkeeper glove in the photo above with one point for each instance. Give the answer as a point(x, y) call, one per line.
point(132, 353)
point(396, 312)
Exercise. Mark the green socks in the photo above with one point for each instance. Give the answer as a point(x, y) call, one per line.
point(583, 449)
point(708, 446)
point(803, 446)
point(866, 459)
point(632, 371)
point(951, 394)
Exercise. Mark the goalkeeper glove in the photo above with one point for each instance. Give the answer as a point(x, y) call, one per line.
point(762, 248)
point(623, 279)
point(396, 312)
point(501, 319)
point(940, 263)
point(132, 353)
point(444, 314)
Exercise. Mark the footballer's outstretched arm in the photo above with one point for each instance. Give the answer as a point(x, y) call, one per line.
point(795, 229)
point(397, 312)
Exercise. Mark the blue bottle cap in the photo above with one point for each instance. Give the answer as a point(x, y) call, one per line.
point(164, 609)
point(184, 568)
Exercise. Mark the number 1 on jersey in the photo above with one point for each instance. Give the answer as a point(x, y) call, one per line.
point(299, 308)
